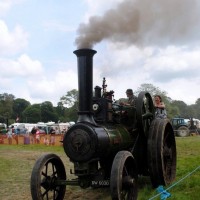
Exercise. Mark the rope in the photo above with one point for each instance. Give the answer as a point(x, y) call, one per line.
point(176, 183)
point(17, 180)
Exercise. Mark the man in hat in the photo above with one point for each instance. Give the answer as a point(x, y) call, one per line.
point(131, 101)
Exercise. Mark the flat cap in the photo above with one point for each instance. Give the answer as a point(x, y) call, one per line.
point(129, 91)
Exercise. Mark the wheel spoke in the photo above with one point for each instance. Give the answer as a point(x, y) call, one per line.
point(45, 193)
point(46, 167)
point(44, 174)
point(53, 167)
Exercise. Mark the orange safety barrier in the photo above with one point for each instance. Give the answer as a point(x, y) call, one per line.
point(30, 139)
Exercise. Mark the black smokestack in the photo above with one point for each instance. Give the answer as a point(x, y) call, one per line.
point(85, 84)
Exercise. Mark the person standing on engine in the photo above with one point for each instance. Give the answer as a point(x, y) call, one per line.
point(131, 101)
point(160, 111)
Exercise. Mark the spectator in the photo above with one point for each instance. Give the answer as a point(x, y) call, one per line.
point(57, 131)
point(46, 141)
point(9, 135)
point(15, 134)
point(52, 133)
point(37, 136)
point(33, 134)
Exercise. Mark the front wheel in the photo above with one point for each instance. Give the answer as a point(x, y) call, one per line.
point(123, 180)
point(46, 179)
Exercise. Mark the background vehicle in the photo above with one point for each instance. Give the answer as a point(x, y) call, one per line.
point(3, 128)
point(180, 126)
point(185, 127)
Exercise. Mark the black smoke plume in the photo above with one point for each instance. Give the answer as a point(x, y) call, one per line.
point(144, 23)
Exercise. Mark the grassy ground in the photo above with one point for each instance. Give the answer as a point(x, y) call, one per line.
point(17, 161)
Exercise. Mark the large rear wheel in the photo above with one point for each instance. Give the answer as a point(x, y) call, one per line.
point(161, 152)
point(46, 179)
point(123, 180)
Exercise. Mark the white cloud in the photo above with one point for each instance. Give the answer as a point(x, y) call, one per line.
point(173, 63)
point(52, 88)
point(12, 42)
point(23, 66)
point(182, 89)
point(5, 5)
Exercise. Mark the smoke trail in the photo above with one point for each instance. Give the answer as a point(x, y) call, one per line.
point(144, 23)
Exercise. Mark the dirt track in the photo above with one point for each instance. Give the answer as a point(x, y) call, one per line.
point(16, 179)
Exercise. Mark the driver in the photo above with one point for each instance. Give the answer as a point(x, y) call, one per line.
point(131, 101)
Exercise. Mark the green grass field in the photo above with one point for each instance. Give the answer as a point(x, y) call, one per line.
point(17, 161)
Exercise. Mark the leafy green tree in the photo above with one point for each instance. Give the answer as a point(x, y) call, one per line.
point(151, 89)
point(70, 103)
point(48, 113)
point(6, 106)
point(172, 111)
point(61, 112)
point(32, 114)
point(70, 99)
point(72, 114)
point(19, 105)
point(60, 109)
point(182, 108)
point(6, 96)
point(196, 107)
point(192, 111)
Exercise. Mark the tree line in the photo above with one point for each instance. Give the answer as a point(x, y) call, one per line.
point(20, 110)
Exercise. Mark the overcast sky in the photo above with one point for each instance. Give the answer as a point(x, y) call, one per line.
point(137, 41)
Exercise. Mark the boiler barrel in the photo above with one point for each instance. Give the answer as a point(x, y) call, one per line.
point(84, 142)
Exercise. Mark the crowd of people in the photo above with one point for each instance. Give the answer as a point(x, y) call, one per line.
point(47, 139)
point(35, 136)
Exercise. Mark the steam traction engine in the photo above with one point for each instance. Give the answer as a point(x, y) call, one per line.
point(110, 145)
